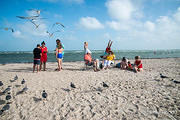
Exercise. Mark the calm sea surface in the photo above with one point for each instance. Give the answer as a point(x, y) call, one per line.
point(77, 55)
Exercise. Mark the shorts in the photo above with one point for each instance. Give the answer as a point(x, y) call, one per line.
point(108, 63)
point(37, 62)
point(89, 63)
point(60, 56)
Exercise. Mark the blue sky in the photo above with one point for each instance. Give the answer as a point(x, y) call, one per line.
point(131, 24)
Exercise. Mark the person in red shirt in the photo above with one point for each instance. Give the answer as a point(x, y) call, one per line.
point(44, 51)
point(138, 64)
point(130, 67)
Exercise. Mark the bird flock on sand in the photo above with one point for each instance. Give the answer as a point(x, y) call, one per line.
point(34, 18)
point(8, 91)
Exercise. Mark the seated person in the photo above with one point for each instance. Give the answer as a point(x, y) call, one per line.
point(130, 67)
point(108, 48)
point(124, 64)
point(109, 60)
point(89, 61)
point(138, 64)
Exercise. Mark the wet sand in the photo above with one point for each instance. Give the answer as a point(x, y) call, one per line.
point(130, 96)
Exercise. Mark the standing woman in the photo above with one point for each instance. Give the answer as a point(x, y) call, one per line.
point(59, 55)
point(44, 51)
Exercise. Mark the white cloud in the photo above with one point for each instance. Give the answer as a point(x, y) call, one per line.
point(18, 34)
point(177, 15)
point(120, 9)
point(29, 29)
point(90, 23)
point(149, 25)
point(125, 14)
point(162, 33)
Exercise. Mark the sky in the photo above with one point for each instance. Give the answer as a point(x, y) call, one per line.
point(130, 24)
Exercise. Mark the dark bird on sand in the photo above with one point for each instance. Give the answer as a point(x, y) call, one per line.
point(25, 89)
point(175, 81)
point(72, 85)
point(163, 76)
point(44, 94)
point(105, 85)
point(7, 90)
point(1, 112)
point(23, 81)
point(66, 89)
point(36, 99)
point(1, 83)
point(6, 107)
point(16, 77)
point(8, 97)
point(22, 91)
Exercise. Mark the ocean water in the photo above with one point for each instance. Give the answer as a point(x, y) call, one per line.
point(78, 55)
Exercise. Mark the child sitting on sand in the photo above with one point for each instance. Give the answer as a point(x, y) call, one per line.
point(130, 67)
point(138, 64)
point(109, 60)
point(124, 64)
point(37, 56)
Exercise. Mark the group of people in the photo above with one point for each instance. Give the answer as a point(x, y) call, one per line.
point(40, 58)
point(109, 59)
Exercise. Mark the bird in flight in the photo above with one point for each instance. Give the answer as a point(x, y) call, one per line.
point(51, 34)
point(28, 18)
point(58, 23)
point(36, 10)
point(8, 28)
point(34, 23)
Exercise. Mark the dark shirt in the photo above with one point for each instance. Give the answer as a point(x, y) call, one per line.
point(37, 52)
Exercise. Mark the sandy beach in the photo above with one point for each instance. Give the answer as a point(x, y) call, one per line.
point(130, 96)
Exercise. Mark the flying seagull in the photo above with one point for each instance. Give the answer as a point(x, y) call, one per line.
point(37, 11)
point(8, 28)
point(28, 18)
point(34, 23)
point(51, 34)
point(58, 23)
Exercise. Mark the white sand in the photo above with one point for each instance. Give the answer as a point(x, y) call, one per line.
point(130, 96)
